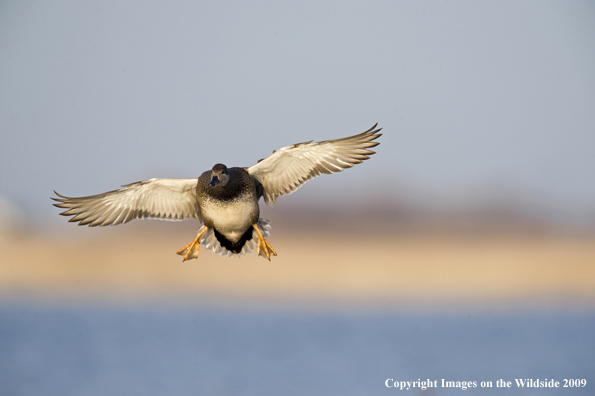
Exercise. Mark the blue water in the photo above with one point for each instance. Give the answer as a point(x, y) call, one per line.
point(183, 351)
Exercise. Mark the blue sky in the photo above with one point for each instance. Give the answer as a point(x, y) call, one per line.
point(474, 97)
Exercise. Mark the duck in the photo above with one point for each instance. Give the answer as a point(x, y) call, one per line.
point(225, 200)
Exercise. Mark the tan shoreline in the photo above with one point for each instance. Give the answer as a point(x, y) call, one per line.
point(310, 270)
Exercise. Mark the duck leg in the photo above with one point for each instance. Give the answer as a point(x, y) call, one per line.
point(192, 246)
point(264, 248)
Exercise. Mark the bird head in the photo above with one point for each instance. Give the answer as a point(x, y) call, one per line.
point(219, 175)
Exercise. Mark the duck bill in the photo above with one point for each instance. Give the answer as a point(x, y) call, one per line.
point(214, 181)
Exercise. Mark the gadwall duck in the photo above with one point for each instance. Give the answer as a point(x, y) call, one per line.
point(224, 200)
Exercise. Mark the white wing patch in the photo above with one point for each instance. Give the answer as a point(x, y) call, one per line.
point(165, 199)
point(290, 167)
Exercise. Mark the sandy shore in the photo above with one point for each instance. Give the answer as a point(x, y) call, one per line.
point(367, 272)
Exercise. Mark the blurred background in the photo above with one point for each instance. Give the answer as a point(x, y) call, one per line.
point(464, 249)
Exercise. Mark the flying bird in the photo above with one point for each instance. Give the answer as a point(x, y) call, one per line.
point(224, 200)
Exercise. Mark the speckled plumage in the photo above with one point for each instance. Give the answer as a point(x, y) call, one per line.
point(230, 210)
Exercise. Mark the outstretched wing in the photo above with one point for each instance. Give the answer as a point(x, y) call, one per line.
point(288, 168)
point(167, 199)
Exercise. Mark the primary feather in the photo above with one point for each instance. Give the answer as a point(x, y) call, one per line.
point(167, 199)
point(290, 167)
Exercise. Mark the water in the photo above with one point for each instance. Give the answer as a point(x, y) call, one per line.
point(184, 351)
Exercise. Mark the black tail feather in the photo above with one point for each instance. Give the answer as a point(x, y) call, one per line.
point(234, 247)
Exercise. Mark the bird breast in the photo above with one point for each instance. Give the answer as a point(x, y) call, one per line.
point(231, 218)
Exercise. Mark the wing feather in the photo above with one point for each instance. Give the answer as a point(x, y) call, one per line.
point(288, 168)
point(168, 199)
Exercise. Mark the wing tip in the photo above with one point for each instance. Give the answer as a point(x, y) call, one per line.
point(61, 198)
point(374, 131)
